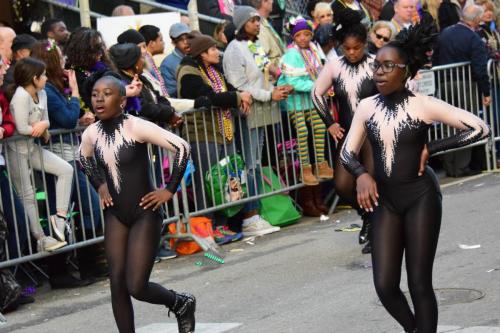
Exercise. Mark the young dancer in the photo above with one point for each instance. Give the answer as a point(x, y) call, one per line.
point(404, 194)
point(352, 80)
point(114, 155)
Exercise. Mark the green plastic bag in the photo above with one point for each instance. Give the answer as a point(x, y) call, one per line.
point(277, 209)
point(232, 184)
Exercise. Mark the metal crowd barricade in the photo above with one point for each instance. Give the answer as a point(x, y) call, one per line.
point(456, 86)
point(201, 128)
point(494, 72)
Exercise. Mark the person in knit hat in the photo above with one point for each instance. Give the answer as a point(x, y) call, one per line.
point(300, 66)
point(211, 133)
point(248, 68)
point(149, 104)
point(134, 37)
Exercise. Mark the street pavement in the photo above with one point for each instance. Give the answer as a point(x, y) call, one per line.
point(307, 278)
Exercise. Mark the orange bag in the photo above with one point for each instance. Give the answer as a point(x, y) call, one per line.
point(200, 226)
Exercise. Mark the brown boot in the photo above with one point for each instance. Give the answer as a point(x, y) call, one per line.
point(308, 178)
point(306, 201)
point(324, 171)
point(318, 200)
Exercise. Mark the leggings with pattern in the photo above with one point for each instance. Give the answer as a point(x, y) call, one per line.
point(299, 119)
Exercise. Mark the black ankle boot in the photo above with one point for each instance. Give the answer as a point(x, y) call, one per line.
point(365, 229)
point(184, 308)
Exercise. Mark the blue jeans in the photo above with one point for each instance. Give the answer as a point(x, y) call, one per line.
point(253, 142)
point(14, 215)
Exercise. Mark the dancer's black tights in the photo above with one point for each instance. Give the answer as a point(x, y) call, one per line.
point(415, 233)
point(130, 252)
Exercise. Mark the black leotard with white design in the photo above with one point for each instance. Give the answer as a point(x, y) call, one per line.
point(115, 152)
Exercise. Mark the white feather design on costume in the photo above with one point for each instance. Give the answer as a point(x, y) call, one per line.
point(389, 124)
point(353, 78)
point(109, 147)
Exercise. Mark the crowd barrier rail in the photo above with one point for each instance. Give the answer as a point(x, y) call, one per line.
point(217, 136)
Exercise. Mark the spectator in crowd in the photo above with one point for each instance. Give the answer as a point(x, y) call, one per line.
point(457, 43)
point(277, 15)
point(311, 5)
point(179, 33)
point(63, 103)
point(322, 14)
point(380, 34)
point(13, 210)
point(431, 7)
point(148, 103)
point(324, 36)
point(211, 136)
point(404, 11)
point(300, 67)
point(247, 68)
point(222, 9)
point(352, 81)
point(56, 30)
point(21, 48)
point(449, 12)
point(185, 20)
point(269, 39)
point(7, 36)
point(488, 30)
point(220, 37)
point(122, 10)
point(355, 5)
point(155, 45)
point(387, 12)
point(86, 54)
point(29, 108)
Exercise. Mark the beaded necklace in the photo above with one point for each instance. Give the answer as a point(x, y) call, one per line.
point(216, 81)
point(157, 74)
point(311, 59)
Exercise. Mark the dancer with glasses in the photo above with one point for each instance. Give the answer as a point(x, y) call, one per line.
point(352, 80)
point(380, 34)
point(403, 195)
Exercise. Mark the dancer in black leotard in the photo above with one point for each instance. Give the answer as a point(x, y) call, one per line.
point(352, 80)
point(114, 155)
point(405, 195)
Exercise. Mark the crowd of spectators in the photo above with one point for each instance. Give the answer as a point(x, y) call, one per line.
point(249, 69)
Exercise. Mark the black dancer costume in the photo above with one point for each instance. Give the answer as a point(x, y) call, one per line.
point(408, 217)
point(114, 152)
point(351, 83)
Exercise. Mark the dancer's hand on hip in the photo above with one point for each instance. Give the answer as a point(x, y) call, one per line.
point(106, 200)
point(155, 199)
point(367, 192)
point(424, 157)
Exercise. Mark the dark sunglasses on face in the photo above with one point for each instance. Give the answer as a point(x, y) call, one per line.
point(387, 66)
point(385, 39)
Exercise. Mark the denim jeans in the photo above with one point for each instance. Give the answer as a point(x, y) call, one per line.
point(14, 215)
point(253, 142)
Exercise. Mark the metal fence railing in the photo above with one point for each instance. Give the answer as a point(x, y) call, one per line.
point(244, 152)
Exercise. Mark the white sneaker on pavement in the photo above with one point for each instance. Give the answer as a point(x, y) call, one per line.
point(58, 226)
point(49, 244)
point(257, 226)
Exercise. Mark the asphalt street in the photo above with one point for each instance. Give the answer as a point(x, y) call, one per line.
point(306, 278)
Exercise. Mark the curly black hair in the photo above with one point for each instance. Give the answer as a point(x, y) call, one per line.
point(414, 43)
point(348, 24)
point(83, 48)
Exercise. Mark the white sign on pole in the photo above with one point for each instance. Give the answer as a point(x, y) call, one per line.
point(426, 84)
point(111, 27)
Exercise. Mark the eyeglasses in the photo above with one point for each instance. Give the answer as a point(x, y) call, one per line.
point(385, 39)
point(387, 66)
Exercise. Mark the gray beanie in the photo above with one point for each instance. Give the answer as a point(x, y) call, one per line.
point(243, 14)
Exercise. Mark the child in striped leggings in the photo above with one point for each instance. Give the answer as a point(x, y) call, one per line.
point(300, 66)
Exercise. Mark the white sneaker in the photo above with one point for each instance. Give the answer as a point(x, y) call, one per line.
point(257, 226)
point(58, 226)
point(49, 244)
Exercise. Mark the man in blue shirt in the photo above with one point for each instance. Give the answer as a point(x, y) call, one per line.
point(180, 34)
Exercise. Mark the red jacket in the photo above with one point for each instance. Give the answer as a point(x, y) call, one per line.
point(7, 120)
